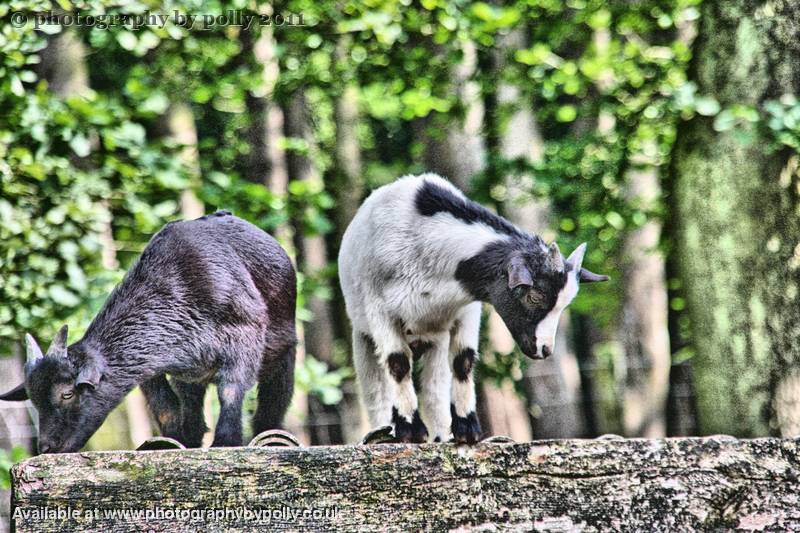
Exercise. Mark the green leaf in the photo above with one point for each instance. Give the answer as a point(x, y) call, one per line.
point(724, 121)
point(80, 145)
point(127, 40)
point(62, 296)
point(707, 106)
point(566, 113)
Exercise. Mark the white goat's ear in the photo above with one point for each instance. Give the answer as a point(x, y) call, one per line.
point(518, 273)
point(33, 352)
point(58, 348)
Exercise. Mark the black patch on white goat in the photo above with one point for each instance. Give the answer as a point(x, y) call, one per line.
point(419, 348)
point(432, 198)
point(485, 277)
point(399, 366)
point(462, 364)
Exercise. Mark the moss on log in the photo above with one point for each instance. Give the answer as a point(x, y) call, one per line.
point(588, 485)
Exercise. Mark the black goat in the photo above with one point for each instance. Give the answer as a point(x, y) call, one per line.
point(209, 301)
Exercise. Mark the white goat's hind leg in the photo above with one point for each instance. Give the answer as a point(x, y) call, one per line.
point(393, 356)
point(434, 386)
point(371, 380)
point(408, 426)
point(463, 354)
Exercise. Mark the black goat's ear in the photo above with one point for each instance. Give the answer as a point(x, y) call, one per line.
point(17, 394)
point(58, 348)
point(90, 373)
point(518, 273)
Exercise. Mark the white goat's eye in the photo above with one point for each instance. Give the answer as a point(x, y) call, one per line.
point(67, 395)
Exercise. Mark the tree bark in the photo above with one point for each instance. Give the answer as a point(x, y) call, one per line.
point(587, 485)
point(737, 244)
point(260, 160)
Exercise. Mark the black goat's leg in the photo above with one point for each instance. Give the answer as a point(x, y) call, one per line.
point(164, 405)
point(193, 423)
point(229, 424)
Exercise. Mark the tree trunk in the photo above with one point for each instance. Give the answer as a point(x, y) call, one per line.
point(348, 190)
point(645, 366)
point(324, 424)
point(258, 167)
point(737, 243)
point(454, 147)
point(63, 64)
point(553, 385)
point(572, 485)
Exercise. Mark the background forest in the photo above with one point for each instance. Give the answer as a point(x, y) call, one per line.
point(665, 133)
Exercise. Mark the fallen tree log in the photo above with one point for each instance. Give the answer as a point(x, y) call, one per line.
point(590, 485)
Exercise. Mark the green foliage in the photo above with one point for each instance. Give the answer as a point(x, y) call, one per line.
point(606, 80)
point(9, 458)
point(71, 165)
point(314, 377)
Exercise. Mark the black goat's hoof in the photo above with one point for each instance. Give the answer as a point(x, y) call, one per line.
point(610, 436)
point(160, 443)
point(498, 439)
point(380, 435)
point(275, 438)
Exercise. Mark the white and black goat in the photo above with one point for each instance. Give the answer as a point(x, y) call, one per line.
point(415, 264)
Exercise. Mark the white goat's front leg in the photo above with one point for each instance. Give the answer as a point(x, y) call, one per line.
point(463, 354)
point(434, 384)
point(394, 356)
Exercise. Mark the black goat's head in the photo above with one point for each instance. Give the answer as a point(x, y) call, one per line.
point(64, 394)
point(536, 289)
